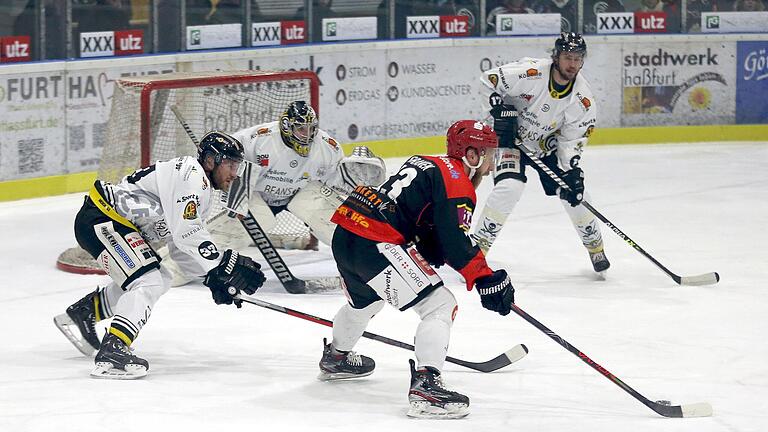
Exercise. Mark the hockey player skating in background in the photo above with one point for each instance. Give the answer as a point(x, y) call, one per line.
point(547, 106)
point(387, 241)
point(164, 203)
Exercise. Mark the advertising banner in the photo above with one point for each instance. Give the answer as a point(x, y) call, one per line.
point(88, 103)
point(752, 82)
point(32, 142)
point(214, 36)
point(420, 27)
point(527, 24)
point(694, 83)
point(338, 29)
point(650, 22)
point(278, 33)
point(615, 23)
point(15, 49)
point(734, 22)
point(107, 44)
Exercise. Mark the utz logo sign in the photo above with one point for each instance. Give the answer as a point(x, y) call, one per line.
point(454, 25)
point(650, 22)
point(129, 42)
point(293, 32)
point(15, 49)
point(751, 82)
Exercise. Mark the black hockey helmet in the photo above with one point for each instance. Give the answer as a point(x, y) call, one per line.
point(221, 146)
point(298, 127)
point(569, 42)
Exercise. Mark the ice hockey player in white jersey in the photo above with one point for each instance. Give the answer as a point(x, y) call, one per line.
point(165, 203)
point(547, 106)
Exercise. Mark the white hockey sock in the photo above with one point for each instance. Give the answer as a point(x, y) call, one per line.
point(350, 323)
point(434, 331)
point(586, 226)
point(498, 207)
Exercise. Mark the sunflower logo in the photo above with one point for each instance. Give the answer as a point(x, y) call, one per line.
point(700, 98)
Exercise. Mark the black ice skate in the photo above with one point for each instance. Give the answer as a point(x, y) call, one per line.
point(430, 399)
point(116, 361)
point(337, 365)
point(599, 263)
point(79, 324)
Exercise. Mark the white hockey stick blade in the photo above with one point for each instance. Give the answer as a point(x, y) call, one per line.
point(703, 279)
point(322, 285)
point(701, 409)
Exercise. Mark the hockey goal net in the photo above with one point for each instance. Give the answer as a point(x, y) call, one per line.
point(142, 127)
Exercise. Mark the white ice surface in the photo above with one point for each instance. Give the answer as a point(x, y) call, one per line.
point(695, 208)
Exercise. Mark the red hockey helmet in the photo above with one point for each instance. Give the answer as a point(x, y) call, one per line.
point(470, 133)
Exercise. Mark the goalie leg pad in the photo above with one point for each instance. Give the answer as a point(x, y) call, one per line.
point(314, 204)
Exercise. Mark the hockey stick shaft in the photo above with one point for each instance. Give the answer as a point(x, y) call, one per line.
point(185, 125)
point(704, 279)
point(692, 410)
point(291, 283)
point(496, 363)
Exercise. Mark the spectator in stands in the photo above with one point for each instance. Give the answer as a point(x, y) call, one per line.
point(9, 11)
point(208, 12)
point(467, 8)
point(568, 10)
point(749, 6)
point(506, 7)
point(672, 8)
point(651, 6)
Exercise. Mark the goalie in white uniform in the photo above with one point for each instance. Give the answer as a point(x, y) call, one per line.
point(300, 168)
point(557, 114)
point(164, 203)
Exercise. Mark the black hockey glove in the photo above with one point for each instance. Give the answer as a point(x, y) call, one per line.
point(496, 292)
point(574, 178)
point(235, 273)
point(504, 120)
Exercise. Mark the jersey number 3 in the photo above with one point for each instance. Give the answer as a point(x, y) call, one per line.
point(403, 180)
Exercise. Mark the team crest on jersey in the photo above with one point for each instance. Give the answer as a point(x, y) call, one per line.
point(190, 211)
point(262, 160)
point(465, 217)
point(494, 79)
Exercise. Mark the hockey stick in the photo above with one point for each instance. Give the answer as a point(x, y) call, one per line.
point(291, 283)
point(664, 408)
point(702, 279)
point(512, 355)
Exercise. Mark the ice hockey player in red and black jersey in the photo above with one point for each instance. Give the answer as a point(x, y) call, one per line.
point(388, 240)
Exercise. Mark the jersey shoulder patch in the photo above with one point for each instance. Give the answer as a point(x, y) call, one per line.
point(457, 184)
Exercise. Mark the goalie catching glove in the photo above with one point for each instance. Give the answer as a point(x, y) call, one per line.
point(574, 178)
point(496, 292)
point(235, 273)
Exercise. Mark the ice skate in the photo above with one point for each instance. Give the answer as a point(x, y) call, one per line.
point(429, 398)
point(600, 263)
point(79, 324)
point(337, 365)
point(116, 361)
